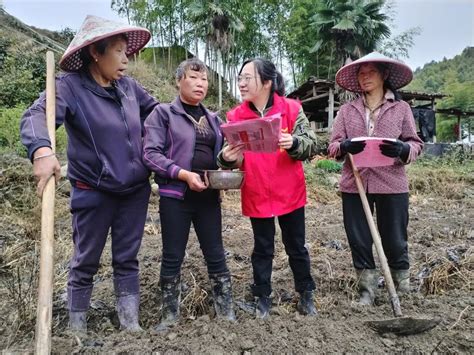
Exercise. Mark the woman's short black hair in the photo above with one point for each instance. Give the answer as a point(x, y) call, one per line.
point(100, 46)
point(190, 64)
point(267, 71)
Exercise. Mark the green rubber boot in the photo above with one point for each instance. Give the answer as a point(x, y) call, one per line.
point(401, 279)
point(367, 280)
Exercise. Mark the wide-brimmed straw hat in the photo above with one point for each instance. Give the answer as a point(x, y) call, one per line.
point(94, 29)
point(400, 74)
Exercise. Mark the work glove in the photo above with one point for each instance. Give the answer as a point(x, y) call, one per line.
point(395, 149)
point(348, 146)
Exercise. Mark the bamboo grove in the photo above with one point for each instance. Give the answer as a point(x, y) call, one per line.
point(304, 37)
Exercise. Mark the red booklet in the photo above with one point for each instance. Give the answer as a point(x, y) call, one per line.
point(258, 134)
point(371, 156)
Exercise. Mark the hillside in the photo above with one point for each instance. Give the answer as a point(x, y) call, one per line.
point(13, 29)
point(23, 72)
point(22, 60)
point(454, 77)
point(437, 76)
point(23, 68)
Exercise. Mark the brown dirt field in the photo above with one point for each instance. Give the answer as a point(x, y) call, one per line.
point(441, 236)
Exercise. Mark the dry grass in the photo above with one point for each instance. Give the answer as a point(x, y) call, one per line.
point(17, 186)
point(19, 281)
point(20, 235)
point(158, 82)
point(444, 182)
point(446, 179)
point(447, 269)
point(195, 302)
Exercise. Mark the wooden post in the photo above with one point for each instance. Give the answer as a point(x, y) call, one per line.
point(433, 107)
point(469, 129)
point(459, 129)
point(220, 73)
point(330, 109)
point(45, 287)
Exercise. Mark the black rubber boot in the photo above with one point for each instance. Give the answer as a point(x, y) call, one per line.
point(264, 303)
point(78, 321)
point(306, 304)
point(171, 297)
point(367, 280)
point(221, 288)
point(127, 310)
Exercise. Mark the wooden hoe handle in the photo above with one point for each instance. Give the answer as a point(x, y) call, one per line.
point(45, 288)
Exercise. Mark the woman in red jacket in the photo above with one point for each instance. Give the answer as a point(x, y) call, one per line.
point(274, 183)
point(378, 112)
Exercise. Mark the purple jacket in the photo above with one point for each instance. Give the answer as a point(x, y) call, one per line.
point(169, 143)
point(104, 137)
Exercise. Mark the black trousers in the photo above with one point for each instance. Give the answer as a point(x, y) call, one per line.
point(392, 223)
point(203, 209)
point(293, 234)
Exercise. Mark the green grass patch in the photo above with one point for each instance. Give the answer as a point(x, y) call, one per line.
point(10, 132)
point(328, 165)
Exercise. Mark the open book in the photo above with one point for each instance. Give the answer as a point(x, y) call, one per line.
point(371, 156)
point(258, 135)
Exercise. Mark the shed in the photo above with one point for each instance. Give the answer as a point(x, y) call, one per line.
point(425, 102)
point(460, 114)
point(318, 100)
point(321, 102)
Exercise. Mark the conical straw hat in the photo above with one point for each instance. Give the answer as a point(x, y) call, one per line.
point(400, 74)
point(94, 29)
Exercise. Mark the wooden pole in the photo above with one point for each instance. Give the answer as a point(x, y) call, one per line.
point(433, 108)
point(45, 288)
point(330, 109)
point(459, 129)
point(220, 73)
point(469, 130)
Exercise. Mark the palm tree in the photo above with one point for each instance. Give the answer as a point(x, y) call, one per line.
point(349, 28)
point(215, 23)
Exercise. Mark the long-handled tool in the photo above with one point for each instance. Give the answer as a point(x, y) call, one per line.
point(399, 325)
point(45, 288)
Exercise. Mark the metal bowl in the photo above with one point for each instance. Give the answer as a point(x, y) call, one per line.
point(223, 179)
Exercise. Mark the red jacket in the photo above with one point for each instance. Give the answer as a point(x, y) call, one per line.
point(274, 183)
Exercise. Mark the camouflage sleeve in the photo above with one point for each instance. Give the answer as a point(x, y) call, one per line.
point(304, 139)
point(224, 164)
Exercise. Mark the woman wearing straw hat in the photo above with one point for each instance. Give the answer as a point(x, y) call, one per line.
point(378, 112)
point(103, 112)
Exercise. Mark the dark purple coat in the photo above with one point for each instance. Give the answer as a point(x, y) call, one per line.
point(169, 143)
point(104, 137)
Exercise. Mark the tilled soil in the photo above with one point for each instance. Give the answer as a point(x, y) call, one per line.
point(441, 238)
